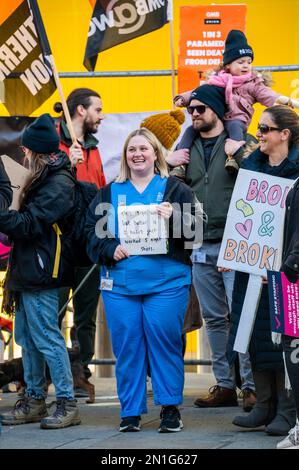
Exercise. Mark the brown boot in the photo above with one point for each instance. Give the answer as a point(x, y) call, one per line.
point(65, 415)
point(26, 410)
point(249, 398)
point(218, 396)
point(231, 165)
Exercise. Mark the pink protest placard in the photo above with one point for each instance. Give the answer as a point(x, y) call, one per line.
point(284, 304)
point(252, 239)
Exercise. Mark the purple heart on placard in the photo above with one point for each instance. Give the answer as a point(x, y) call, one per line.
point(244, 229)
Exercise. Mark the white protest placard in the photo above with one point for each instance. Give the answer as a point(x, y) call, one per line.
point(252, 240)
point(19, 176)
point(142, 231)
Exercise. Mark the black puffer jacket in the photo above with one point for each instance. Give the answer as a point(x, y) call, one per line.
point(264, 355)
point(290, 255)
point(41, 256)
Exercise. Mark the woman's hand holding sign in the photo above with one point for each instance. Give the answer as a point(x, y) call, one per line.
point(120, 253)
point(165, 210)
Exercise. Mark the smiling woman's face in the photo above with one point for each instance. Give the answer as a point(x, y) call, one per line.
point(271, 140)
point(140, 155)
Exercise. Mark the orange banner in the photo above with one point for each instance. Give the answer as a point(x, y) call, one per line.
point(203, 30)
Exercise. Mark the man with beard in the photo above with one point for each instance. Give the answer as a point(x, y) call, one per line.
point(213, 186)
point(85, 107)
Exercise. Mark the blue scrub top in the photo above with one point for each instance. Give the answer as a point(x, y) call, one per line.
point(138, 275)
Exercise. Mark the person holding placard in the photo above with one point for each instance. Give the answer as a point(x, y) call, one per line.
point(85, 107)
point(145, 295)
point(290, 267)
point(277, 155)
point(40, 263)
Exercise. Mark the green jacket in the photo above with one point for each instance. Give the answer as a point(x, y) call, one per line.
point(213, 188)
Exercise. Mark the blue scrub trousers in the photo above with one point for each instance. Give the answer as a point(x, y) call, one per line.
point(147, 330)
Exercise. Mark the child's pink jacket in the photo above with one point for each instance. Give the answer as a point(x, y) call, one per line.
point(243, 98)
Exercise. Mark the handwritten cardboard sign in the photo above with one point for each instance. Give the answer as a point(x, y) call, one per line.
point(19, 176)
point(141, 230)
point(252, 240)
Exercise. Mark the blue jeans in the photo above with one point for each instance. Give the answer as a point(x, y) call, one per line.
point(37, 332)
point(214, 291)
point(146, 330)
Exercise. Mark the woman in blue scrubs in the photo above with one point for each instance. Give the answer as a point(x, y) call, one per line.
point(145, 296)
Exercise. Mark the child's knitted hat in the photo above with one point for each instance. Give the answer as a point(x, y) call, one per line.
point(165, 126)
point(236, 46)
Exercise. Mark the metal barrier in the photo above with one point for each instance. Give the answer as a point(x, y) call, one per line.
point(162, 73)
point(187, 362)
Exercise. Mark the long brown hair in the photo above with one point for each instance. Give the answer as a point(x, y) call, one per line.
point(37, 164)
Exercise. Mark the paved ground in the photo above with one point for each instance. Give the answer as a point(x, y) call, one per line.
point(203, 428)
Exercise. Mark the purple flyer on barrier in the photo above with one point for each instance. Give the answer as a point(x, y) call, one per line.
point(284, 304)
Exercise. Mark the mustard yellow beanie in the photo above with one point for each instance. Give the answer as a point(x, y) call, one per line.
point(165, 126)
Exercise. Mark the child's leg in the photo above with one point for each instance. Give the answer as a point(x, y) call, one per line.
point(236, 129)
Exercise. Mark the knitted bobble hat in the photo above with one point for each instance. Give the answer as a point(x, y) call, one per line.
point(165, 126)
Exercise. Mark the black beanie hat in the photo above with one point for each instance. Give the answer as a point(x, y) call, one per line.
point(213, 96)
point(236, 46)
point(41, 136)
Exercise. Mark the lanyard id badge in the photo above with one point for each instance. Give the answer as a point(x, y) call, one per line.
point(106, 282)
point(199, 256)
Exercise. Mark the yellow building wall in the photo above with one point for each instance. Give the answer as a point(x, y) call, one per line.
point(272, 30)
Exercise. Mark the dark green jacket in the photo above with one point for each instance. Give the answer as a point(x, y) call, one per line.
point(213, 188)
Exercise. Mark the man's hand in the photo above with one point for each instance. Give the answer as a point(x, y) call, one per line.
point(76, 154)
point(178, 157)
point(232, 146)
point(120, 253)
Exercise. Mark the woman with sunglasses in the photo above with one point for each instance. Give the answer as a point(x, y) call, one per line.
point(277, 155)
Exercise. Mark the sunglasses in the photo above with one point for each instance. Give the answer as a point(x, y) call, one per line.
point(200, 109)
point(264, 129)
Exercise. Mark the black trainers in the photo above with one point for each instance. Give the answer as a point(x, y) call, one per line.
point(130, 424)
point(170, 419)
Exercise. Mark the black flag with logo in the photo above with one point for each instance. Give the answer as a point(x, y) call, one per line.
point(25, 72)
point(117, 21)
